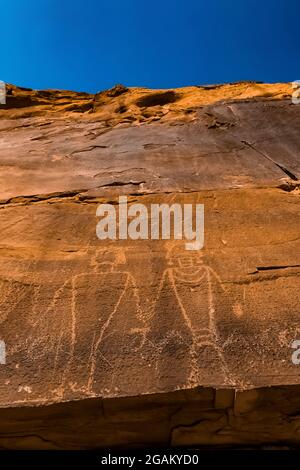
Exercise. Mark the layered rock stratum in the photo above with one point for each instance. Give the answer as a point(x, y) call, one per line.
point(134, 343)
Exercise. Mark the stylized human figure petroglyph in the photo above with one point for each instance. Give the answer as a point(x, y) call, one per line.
point(187, 336)
point(16, 296)
point(105, 325)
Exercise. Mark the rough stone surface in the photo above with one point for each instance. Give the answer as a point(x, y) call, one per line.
point(142, 342)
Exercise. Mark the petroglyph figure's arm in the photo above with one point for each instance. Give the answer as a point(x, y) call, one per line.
point(142, 328)
point(51, 324)
point(151, 310)
point(213, 274)
point(236, 305)
point(102, 333)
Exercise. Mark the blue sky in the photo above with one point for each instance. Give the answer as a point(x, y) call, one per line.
point(91, 45)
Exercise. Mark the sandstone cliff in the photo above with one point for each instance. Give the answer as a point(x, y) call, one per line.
point(108, 335)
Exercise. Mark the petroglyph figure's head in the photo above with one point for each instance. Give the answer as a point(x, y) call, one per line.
point(105, 260)
point(179, 257)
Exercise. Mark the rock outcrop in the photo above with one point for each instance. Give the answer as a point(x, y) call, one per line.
point(141, 342)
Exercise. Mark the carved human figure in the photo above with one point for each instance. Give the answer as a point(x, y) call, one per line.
point(100, 328)
point(183, 326)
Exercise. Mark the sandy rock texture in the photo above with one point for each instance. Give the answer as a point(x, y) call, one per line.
point(142, 341)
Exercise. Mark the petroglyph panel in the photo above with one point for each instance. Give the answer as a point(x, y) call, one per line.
point(82, 317)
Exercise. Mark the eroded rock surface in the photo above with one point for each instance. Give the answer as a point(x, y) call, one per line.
point(124, 335)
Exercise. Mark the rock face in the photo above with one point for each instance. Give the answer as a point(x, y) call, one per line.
point(143, 342)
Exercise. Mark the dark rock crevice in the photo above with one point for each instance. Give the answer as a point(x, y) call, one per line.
point(291, 175)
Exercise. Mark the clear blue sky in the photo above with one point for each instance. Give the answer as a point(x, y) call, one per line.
point(93, 44)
